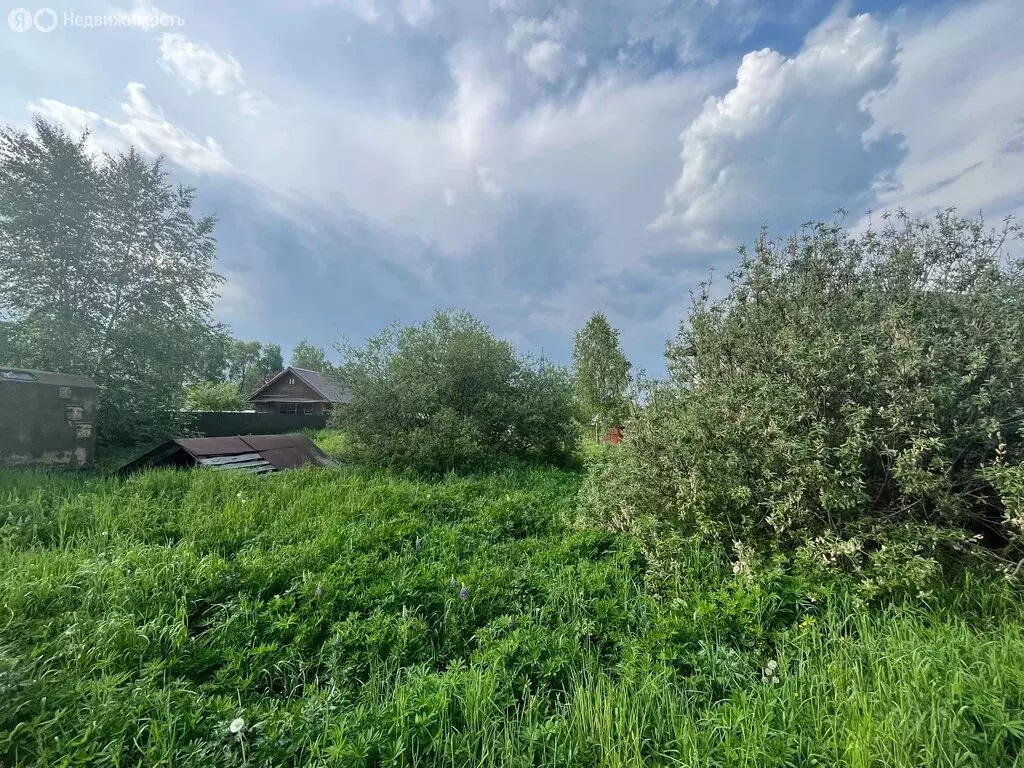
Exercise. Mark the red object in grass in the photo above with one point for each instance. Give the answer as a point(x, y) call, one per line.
point(614, 435)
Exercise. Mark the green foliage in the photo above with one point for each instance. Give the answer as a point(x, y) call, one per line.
point(104, 271)
point(446, 394)
point(311, 358)
point(319, 611)
point(207, 396)
point(600, 373)
point(843, 401)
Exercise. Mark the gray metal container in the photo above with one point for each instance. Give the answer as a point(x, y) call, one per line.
point(47, 420)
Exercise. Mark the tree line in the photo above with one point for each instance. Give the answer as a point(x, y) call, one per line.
point(107, 271)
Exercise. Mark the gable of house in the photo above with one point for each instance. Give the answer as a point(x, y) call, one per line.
point(288, 388)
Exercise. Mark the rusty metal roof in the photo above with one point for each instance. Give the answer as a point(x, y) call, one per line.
point(257, 454)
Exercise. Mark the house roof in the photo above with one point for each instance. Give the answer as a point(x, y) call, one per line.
point(330, 391)
point(254, 454)
point(45, 377)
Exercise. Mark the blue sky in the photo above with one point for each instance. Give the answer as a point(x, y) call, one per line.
point(530, 160)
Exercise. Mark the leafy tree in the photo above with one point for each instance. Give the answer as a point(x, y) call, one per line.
point(104, 271)
point(211, 396)
point(446, 394)
point(854, 402)
point(250, 362)
point(212, 351)
point(601, 372)
point(243, 364)
point(310, 357)
point(271, 359)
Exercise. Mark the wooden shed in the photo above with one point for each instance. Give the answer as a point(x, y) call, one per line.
point(47, 419)
point(250, 454)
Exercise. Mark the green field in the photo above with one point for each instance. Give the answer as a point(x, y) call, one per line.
point(341, 617)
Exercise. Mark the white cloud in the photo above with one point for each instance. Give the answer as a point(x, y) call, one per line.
point(143, 15)
point(787, 141)
point(488, 183)
point(475, 109)
point(959, 103)
point(143, 126)
point(252, 102)
point(201, 68)
point(416, 12)
point(386, 13)
point(541, 43)
point(545, 59)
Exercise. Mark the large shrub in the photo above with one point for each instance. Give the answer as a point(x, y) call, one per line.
point(855, 400)
point(446, 394)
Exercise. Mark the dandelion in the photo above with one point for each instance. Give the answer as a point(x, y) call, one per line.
point(464, 593)
point(237, 725)
point(773, 664)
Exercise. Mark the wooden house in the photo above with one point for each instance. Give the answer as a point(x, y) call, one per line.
point(297, 391)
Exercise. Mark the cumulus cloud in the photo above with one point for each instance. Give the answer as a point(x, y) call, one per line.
point(788, 140)
point(143, 125)
point(958, 102)
point(199, 67)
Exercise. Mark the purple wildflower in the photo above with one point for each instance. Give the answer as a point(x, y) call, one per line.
point(464, 593)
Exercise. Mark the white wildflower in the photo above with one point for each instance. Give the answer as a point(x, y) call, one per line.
point(237, 725)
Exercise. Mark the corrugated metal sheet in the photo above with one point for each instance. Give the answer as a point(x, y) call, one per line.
point(258, 454)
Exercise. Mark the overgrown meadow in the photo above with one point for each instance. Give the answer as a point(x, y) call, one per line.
point(351, 618)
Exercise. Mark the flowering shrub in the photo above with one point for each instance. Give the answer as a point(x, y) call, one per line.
point(851, 400)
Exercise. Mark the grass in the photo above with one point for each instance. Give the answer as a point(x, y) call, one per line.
point(325, 609)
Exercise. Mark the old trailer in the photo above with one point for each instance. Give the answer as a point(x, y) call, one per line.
point(47, 420)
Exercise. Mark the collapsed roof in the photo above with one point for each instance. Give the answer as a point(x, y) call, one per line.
point(252, 454)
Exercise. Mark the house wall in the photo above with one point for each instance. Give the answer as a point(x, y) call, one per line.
point(46, 425)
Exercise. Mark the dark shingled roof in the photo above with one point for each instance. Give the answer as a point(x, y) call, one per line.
point(321, 384)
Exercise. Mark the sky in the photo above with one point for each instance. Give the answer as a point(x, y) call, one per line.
point(531, 161)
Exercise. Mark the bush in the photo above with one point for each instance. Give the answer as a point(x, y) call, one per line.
point(446, 394)
point(853, 398)
point(213, 396)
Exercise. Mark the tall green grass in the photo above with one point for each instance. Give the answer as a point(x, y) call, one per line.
point(356, 619)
